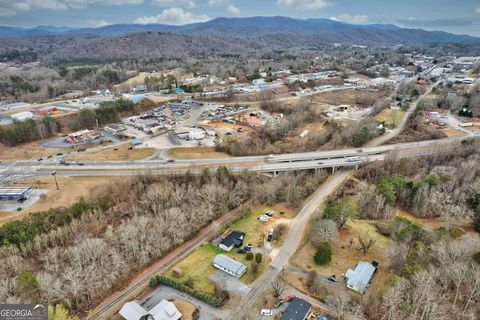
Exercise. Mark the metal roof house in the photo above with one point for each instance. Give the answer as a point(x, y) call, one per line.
point(229, 265)
point(164, 310)
point(233, 240)
point(298, 309)
point(359, 279)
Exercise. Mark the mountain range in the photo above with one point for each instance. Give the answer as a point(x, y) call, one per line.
point(246, 27)
point(218, 36)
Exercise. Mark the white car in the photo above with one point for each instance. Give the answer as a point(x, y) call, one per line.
point(264, 218)
point(266, 312)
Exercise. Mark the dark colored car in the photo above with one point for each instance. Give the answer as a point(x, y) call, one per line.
point(279, 303)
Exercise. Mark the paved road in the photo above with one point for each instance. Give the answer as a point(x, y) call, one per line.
point(294, 237)
point(292, 242)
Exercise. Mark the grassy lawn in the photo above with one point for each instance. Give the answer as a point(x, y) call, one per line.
point(196, 153)
point(122, 153)
point(198, 265)
point(345, 255)
point(391, 117)
point(256, 230)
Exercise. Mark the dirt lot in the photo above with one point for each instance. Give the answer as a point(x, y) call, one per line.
point(196, 153)
point(186, 308)
point(27, 151)
point(351, 97)
point(453, 132)
point(122, 153)
point(71, 190)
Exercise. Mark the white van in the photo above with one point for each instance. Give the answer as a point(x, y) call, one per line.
point(266, 312)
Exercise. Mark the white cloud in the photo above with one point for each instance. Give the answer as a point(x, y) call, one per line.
point(97, 23)
point(12, 7)
point(477, 9)
point(218, 2)
point(233, 10)
point(174, 16)
point(179, 3)
point(355, 19)
point(304, 5)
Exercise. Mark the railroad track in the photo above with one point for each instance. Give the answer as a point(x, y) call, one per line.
point(221, 222)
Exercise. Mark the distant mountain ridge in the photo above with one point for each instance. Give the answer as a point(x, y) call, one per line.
point(254, 26)
point(230, 36)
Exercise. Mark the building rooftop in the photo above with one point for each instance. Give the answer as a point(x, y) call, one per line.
point(298, 309)
point(359, 278)
point(8, 192)
point(229, 263)
point(234, 238)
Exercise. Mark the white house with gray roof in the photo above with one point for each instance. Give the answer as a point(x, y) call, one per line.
point(229, 265)
point(359, 279)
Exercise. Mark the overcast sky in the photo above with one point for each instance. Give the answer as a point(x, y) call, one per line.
point(457, 16)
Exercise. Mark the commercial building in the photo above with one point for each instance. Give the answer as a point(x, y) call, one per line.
point(13, 192)
point(298, 309)
point(359, 279)
point(164, 310)
point(229, 265)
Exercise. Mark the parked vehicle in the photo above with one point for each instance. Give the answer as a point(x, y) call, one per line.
point(290, 297)
point(332, 278)
point(270, 235)
point(264, 218)
point(270, 213)
point(266, 312)
point(248, 247)
point(242, 251)
point(171, 160)
point(279, 303)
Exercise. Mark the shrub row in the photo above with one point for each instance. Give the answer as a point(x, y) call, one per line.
point(208, 298)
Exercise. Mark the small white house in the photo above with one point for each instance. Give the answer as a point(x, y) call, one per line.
point(359, 279)
point(22, 116)
point(229, 265)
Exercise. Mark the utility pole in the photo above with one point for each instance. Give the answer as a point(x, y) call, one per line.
point(54, 174)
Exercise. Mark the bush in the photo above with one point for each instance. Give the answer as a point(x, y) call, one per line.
point(258, 257)
point(205, 297)
point(249, 255)
point(323, 254)
point(476, 257)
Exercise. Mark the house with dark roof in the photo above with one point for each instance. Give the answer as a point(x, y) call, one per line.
point(298, 309)
point(233, 240)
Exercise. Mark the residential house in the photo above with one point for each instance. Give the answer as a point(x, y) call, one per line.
point(298, 309)
point(229, 265)
point(164, 310)
point(233, 240)
point(359, 279)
